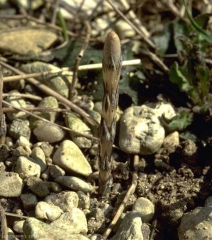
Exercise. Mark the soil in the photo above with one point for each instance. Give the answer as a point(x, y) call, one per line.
point(176, 179)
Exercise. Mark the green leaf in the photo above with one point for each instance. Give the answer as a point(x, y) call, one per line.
point(176, 76)
point(68, 54)
point(195, 25)
point(203, 19)
point(182, 120)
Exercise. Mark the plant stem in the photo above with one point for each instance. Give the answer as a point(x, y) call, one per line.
point(111, 73)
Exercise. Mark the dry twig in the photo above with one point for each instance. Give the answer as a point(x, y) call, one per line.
point(3, 126)
point(111, 72)
point(51, 92)
point(80, 68)
point(79, 57)
point(4, 231)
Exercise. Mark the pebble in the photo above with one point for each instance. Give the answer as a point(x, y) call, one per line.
point(29, 200)
point(27, 166)
point(18, 226)
point(54, 187)
point(59, 82)
point(34, 42)
point(39, 156)
point(76, 124)
point(84, 200)
point(141, 131)
point(23, 141)
point(48, 132)
point(46, 147)
point(146, 209)
point(4, 152)
point(66, 200)
point(44, 210)
point(130, 227)
point(56, 171)
point(22, 151)
point(16, 102)
point(47, 102)
point(37, 186)
point(75, 183)
point(35, 229)
point(19, 128)
point(69, 157)
point(74, 221)
point(172, 140)
point(208, 202)
point(196, 224)
point(11, 184)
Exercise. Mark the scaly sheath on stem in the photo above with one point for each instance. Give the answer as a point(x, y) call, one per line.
point(111, 66)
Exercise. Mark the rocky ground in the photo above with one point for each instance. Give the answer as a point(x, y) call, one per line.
point(162, 170)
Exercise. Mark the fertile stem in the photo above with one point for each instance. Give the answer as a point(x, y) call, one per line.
point(111, 65)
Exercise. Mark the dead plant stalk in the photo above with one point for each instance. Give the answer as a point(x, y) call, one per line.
point(111, 73)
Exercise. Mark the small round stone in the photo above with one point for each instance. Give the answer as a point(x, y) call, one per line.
point(48, 211)
point(48, 132)
point(145, 207)
point(29, 200)
point(65, 200)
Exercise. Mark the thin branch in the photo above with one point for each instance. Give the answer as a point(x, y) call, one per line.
point(130, 191)
point(45, 120)
point(80, 68)
point(79, 57)
point(137, 30)
point(4, 229)
point(51, 92)
point(3, 126)
point(22, 95)
point(29, 18)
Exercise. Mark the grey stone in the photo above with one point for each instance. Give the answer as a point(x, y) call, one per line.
point(46, 147)
point(29, 200)
point(65, 200)
point(56, 171)
point(69, 157)
point(196, 224)
point(130, 228)
point(84, 200)
point(11, 184)
point(20, 127)
point(145, 207)
point(74, 221)
point(26, 41)
point(173, 139)
point(75, 183)
point(18, 226)
point(16, 102)
point(208, 202)
point(37, 186)
point(59, 83)
point(76, 124)
point(54, 187)
point(27, 166)
point(37, 230)
point(39, 156)
point(23, 141)
point(47, 102)
point(141, 131)
point(48, 132)
point(48, 211)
